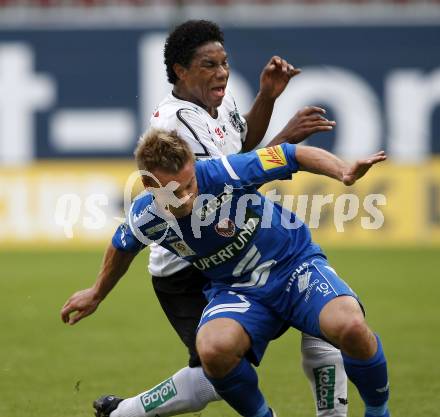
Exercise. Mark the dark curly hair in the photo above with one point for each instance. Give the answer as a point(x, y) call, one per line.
point(183, 41)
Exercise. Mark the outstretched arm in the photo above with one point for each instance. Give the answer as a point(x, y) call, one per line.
point(83, 303)
point(319, 161)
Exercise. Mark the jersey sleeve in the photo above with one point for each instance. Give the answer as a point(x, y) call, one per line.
point(125, 240)
point(263, 165)
point(248, 169)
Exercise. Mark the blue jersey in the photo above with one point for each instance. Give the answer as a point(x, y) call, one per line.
point(238, 239)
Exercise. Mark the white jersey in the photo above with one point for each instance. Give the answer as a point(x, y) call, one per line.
point(208, 138)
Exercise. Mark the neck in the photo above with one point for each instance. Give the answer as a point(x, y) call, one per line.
point(183, 94)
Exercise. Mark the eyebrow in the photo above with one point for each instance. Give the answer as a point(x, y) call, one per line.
point(186, 185)
point(212, 59)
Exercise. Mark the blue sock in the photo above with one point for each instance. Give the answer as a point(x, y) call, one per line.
point(371, 379)
point(240, 390)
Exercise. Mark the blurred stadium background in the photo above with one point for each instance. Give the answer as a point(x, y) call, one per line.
point(79, 80)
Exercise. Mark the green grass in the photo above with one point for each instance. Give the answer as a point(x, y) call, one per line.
point(49, 369)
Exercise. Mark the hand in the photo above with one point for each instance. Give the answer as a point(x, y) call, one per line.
point(83, 302)
point(304, 123)
point(275, 77)
point(361, 167)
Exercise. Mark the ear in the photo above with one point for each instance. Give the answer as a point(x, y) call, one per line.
point(180, 71)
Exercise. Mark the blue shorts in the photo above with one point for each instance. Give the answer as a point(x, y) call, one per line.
point(261, 324)
point(311, 286)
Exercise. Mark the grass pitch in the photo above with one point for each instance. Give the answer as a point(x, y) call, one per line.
point(49, 369)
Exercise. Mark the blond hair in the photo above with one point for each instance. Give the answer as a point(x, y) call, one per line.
point(162, 150)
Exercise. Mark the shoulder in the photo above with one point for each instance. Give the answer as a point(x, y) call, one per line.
point(140, 206)
point(144, 220)
point(128, 237)
point(190, 122)
point(173, 113)
point(215, 172)
point(142, 199)
point(171, 105)
point(232, 116)
point(229, 101)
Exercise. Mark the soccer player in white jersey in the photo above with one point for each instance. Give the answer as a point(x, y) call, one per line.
point(204, 114)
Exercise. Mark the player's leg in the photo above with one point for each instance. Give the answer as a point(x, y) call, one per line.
point(342, 322)
point(325, 306)
point(222, 344)
point(233, 330)
point(188, 390)
point(323, 365)
point(319, 358)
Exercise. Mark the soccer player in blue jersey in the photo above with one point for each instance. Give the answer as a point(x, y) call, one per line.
point(222, 225)
point(211, 214)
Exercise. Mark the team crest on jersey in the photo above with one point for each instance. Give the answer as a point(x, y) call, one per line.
point(272, 157)
point(225, 228)
point(182, 248)
point(236, 121)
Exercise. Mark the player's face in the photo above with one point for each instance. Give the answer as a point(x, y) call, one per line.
point(186, 192)
point(204, 81)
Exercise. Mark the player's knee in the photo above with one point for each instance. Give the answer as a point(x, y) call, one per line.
point(356, 339)
point(217, 356)
point(340, 316)
point(220, 348)
point(353, 330)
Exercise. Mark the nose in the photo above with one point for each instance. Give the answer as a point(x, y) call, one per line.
point(222, 72)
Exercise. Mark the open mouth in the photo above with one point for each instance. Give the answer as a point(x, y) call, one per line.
point(219, 91)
